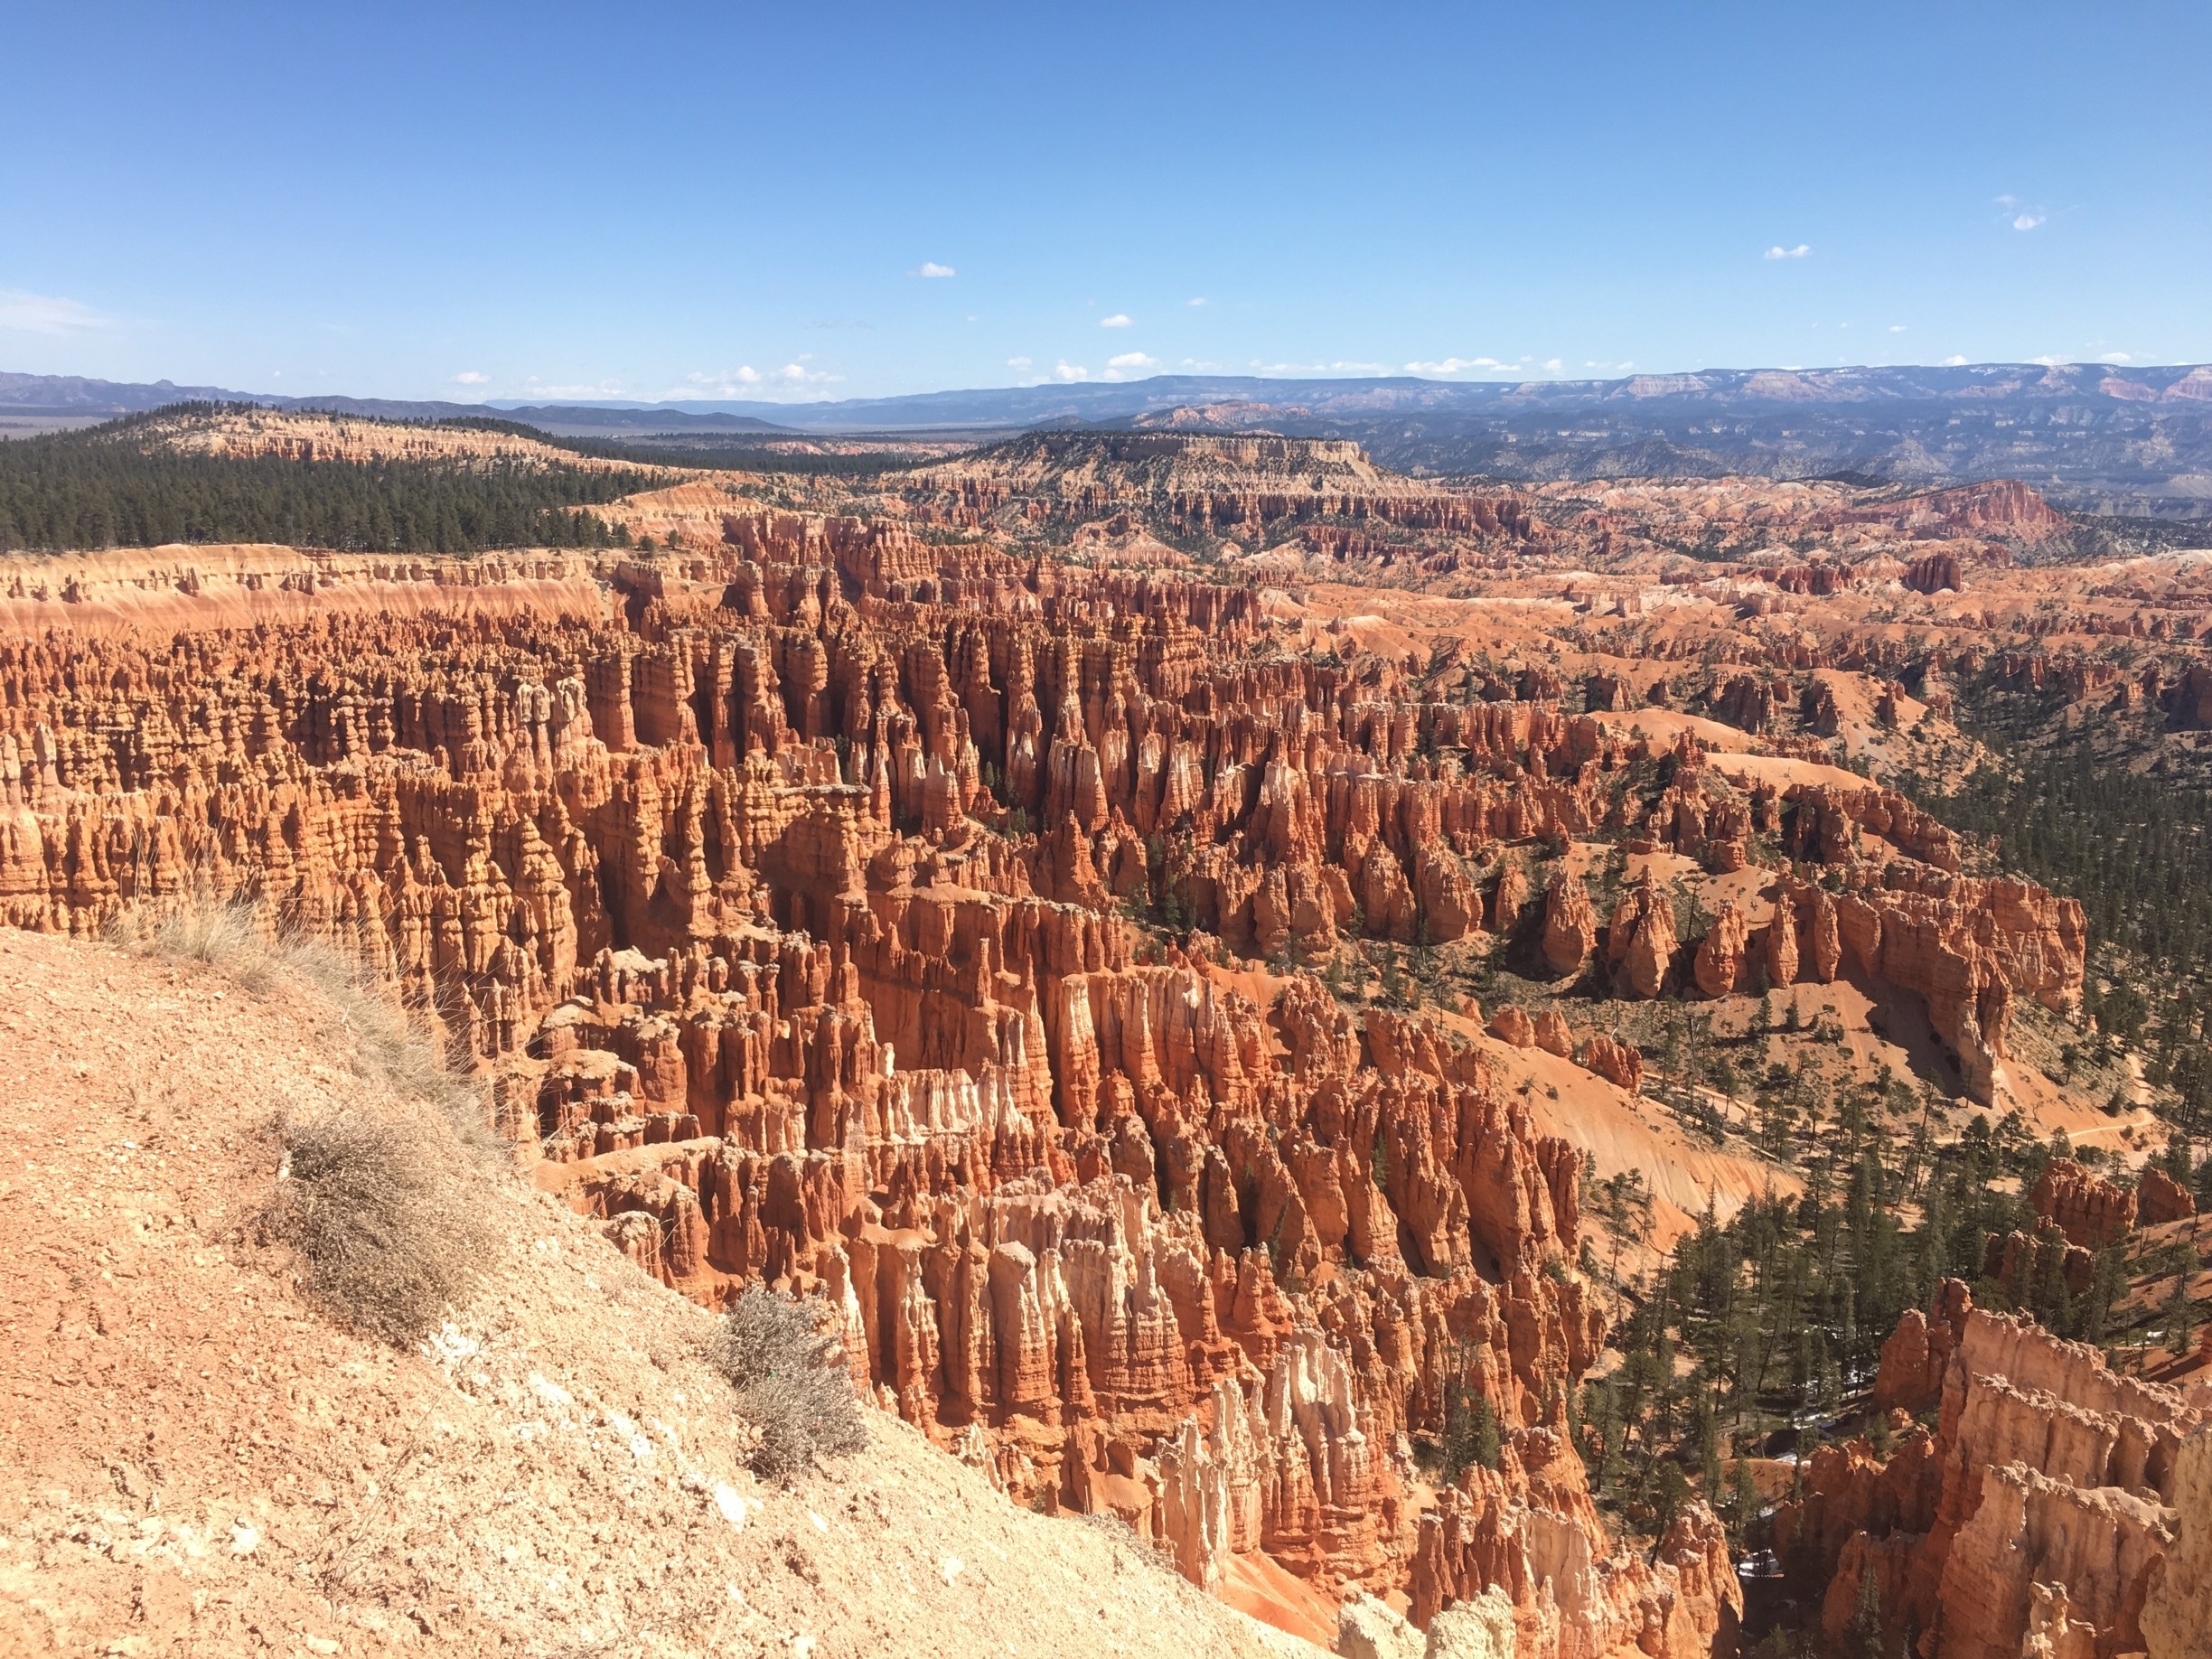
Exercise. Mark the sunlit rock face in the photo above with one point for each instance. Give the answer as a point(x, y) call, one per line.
point(790, 890)
point(2039, 1516)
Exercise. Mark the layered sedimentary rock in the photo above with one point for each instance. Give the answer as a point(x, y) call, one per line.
point(2038, 1512)
point(2089, 1210)
point(1530, 1528)
point(882, 915)
point(2160, 1199)
point(786, 897)
point(2177, 1616)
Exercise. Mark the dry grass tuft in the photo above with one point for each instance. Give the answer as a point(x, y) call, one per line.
point(791, 1381)
point(385, 1233)
point(381, 1045)
point(374, 1196)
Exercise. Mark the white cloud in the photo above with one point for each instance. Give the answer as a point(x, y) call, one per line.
point(2049, 361)
point(2028, 222)
point(1070, 372)
point(1199, 301)
point(1779, 252)
point(1896, 328)
point(536, 388)
point(1456, 365)
point(1017, 362)
point(744, 381)
point(23, 313)
point(1954, 362)
point(471, 377)
point(1119, 320)
point(1131, 360)
point(1553, 365)
point(1335, 368)
point(2117, 357)
point(930, 268)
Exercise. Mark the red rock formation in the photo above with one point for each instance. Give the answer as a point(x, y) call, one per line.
point(2034, 1514)
point(1570, 925)
point(1511, 1025)
point(1911, 1373)
point(1640, 944)
point(791, 880)
point(2178, 1613)
point(2089, 1210)
point(2160, 1199)
point(1552, 1034)
point(1721, 954)
point(1530, 1527)
point(1616, 1062)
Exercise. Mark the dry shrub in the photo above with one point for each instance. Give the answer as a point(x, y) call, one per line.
point(791, 1381)
point(385, 1236)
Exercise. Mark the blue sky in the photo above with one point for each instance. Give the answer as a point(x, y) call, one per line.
point(835, 200)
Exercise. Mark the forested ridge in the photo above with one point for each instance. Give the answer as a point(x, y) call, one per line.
point(2129, 843)
point(100, 488)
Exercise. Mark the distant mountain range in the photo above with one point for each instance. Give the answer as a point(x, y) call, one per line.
point(2099, 438)
point(71, 395)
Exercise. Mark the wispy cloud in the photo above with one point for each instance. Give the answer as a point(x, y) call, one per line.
point(1335, 368)
point(24, 313)
point(744, 379)
point(1896, 328)
point(472, 377)
point(930, 268)
point(535, 387)
point(2117, 357)
point(1779, 252)
point(1457, 365)
point(1199, 301)
point(1126, 364)
point(1120, 319)
point(1070, 372)
point(2023, 216)
point(1019, 364)
point(2028, 222)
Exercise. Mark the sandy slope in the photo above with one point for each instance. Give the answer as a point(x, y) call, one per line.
point(192, 1460)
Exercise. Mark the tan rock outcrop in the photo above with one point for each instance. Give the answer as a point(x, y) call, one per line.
point(2037, 1513)
point(1571, 924)
point(2177, 1618)
point(1526, 1528)
point(1511, 1024)
point(1640, 942)
point(1616, 1062)
point(1721, 954)
point(2160, 1199)
point(2089, 1210)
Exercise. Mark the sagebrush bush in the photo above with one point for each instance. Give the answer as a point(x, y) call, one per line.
point(791, 1380)
point(385, 1234)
